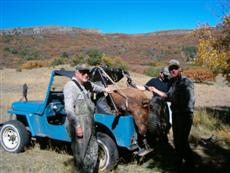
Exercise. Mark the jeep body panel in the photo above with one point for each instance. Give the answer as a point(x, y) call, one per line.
point(38, 126)
point(122, 128)
point(29, 106)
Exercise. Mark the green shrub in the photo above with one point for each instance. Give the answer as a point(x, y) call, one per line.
point(115, 62)
point(94, 56)
point(77, 60)
point(108, 61)
point(65, 55)
point(119, 63)
point(29, 54)
point(152, 71)
point(11, 50)
point(154, 63)
point(190, 52)
point(57, 61)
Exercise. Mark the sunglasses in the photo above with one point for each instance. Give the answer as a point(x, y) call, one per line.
point(83, 72)
point(173, 67)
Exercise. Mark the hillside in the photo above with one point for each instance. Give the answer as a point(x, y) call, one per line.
point(46, 43)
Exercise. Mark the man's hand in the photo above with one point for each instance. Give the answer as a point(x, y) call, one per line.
point(152, 88)
point(160, 93)
point(79, 132)
point(109, 89)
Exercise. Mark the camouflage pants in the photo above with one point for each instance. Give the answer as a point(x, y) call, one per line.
point(89, 162)
point(85, 149)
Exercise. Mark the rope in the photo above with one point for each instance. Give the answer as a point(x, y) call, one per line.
point(117, 89)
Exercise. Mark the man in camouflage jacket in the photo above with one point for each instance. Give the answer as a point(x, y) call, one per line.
point(181, 95)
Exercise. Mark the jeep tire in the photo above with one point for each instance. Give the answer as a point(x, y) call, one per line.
point(13, 136)
point(108, 152)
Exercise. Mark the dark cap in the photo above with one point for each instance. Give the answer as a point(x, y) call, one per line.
point(82, 67)
point(174, 62)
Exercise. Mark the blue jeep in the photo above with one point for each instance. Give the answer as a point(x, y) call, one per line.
point(46, 118)
point(38, 119)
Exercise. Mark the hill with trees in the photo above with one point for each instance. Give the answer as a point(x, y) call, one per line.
point(56, 45)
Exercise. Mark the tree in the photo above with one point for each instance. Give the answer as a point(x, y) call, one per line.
point(114, 62)
point(94, 56)
point(214, 48)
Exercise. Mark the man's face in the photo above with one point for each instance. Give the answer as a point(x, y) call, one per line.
point(82, 76)
point(174, 71)
point(161, 75)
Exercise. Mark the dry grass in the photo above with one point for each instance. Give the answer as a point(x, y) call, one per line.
point(12, 81)
point(207, 125)
point(212, 95)
point(37, 160)
point(214, 155)
point(34, 64)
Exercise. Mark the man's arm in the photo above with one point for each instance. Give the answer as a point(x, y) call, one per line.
point(69, 98)
point(160, 93)
point(189, 95)
point(99, 89)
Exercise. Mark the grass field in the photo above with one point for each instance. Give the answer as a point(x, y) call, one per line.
point(210, 137)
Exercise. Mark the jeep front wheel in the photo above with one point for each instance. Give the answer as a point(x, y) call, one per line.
point(13, 136)
point(108, 153)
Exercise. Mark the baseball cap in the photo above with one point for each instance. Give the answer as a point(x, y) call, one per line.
point(165, 71)
point(82, 67)
point(174, 62)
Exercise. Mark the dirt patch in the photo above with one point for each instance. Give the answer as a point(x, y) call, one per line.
point(211, 95)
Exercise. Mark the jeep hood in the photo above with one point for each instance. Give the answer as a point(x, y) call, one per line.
point(28, 107)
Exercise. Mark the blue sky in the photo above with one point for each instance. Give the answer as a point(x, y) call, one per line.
point(136, 16)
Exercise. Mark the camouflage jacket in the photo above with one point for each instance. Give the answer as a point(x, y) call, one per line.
point(181, 95)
